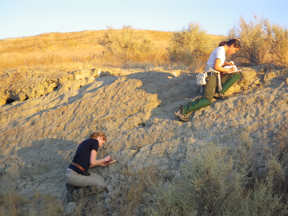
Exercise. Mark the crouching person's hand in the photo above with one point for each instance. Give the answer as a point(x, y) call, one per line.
point(106, 160)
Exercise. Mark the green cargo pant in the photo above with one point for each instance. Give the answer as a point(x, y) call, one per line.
point(227, 81)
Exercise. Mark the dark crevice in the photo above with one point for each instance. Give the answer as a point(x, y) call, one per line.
point(9, 101)
point(141, 124)
point(55, 88)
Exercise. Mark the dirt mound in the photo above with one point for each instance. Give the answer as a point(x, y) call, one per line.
point(39, 136)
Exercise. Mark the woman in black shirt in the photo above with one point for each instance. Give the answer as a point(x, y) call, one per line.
point(77, 174)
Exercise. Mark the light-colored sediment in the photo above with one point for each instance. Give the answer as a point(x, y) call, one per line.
point(39, 136)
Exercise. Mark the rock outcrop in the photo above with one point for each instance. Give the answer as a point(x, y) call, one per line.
point(39, 135)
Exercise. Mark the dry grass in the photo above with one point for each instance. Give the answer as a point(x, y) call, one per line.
point(68, 51)
point(13, 204)
point(262, 43)
point(83, 50)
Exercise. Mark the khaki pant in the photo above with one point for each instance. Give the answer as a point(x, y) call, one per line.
point(78, 180)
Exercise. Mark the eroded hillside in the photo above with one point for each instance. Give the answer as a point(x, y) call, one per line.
point(39, 136)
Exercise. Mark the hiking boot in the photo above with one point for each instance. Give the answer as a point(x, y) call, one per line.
point(221, 96)
point(73, 193)
point(182, 117)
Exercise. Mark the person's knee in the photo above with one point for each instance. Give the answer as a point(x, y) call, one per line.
point(209, 95)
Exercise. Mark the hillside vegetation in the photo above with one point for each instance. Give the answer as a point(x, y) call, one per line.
point(262, 42)
point(84, 50)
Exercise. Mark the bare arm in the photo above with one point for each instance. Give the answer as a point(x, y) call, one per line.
point(95, 162)
point(220, 68)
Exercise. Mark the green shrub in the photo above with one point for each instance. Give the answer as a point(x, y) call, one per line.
point(221, 181)
point(255, 43)
point(192, 46)
point(206, 182)
point(261, 41)
point(279, 40)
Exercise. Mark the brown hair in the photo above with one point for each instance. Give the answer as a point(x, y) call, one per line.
point(97, 134)
point(236, 42)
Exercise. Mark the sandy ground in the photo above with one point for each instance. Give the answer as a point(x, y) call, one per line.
point(39, 136)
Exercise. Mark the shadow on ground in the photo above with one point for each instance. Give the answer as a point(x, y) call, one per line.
point(172, 91)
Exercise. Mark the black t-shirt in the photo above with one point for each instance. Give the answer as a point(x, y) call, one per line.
point(82, 156)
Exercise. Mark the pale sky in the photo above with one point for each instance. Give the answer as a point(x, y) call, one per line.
point(21, 18)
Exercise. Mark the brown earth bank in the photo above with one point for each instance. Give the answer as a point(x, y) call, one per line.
point(44, 117)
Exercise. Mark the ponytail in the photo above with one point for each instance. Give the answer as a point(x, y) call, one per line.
point(222, 43)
